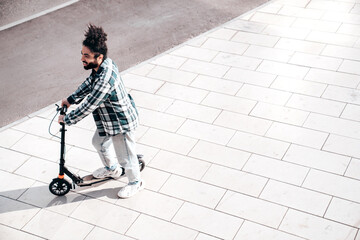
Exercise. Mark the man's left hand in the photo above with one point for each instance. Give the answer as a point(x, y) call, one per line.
point(61, 119)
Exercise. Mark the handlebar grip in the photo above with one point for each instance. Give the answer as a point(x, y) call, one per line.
point(63, 110)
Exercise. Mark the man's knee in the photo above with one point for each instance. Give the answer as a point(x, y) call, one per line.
point(96, 141)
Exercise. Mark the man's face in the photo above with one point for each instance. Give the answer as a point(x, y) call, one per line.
point(88, 59)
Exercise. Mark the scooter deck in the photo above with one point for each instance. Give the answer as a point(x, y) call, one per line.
point(89, 180)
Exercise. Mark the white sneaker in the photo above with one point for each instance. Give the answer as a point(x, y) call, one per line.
point(131, 189)
point(105, 172)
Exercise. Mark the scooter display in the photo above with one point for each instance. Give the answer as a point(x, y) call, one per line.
point(60, 186)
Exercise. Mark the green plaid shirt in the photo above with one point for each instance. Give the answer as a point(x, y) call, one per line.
point(104, 95)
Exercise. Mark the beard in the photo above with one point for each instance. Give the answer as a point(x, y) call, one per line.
point(91, 65)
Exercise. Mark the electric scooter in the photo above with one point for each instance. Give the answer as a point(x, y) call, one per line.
point(60, 186)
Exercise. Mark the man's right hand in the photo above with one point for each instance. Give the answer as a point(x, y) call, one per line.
point(65, 102)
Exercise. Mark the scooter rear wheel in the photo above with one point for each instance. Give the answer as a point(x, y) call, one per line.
point(59, 187)
point(141, 164)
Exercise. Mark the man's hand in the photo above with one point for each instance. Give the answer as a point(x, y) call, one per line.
point(61, 119)
point(65, 102)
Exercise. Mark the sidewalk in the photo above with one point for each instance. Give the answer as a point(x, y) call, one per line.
point(250, 131)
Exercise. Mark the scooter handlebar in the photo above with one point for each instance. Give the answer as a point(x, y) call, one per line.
point(63, 110)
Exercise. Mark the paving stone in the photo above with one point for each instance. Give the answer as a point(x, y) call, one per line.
point(249, 131)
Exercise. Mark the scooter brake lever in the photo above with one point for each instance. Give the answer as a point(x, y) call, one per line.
point(58, 108)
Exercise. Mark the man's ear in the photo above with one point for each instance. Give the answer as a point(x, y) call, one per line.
point(100, 58)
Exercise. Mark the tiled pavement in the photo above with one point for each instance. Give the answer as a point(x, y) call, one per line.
point(250, 131)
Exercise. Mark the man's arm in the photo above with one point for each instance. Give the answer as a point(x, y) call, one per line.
point(97, 96)
point(83, 90)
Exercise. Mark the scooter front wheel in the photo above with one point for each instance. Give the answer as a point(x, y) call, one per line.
point(59, 187)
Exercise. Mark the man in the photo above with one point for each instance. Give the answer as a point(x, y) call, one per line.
point(104, 95)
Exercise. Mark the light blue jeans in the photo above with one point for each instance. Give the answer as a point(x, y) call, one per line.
point(120, 149)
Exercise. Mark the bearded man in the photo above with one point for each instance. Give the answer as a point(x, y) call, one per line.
point(104, 95)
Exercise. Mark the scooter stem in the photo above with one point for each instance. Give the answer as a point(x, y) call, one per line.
point(62, 149)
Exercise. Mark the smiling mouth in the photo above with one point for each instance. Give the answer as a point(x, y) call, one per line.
point(85, 63)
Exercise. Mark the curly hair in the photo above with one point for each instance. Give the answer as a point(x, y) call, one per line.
point(95, 40)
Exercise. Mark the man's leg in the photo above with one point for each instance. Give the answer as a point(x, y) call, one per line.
point(103, 145)
point(125, 148)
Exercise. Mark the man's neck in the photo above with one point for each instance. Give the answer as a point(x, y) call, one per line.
point(96, 69)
